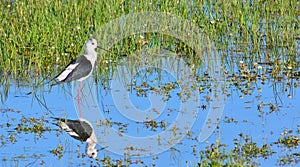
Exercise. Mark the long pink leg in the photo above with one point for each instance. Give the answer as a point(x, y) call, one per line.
point(80, 113)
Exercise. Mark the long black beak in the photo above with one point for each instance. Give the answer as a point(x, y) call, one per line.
point(104, 49)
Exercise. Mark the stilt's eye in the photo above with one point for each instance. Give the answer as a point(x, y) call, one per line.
point(93, 43)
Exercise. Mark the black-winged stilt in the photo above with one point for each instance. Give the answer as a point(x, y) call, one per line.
point(80, 68)
point(81, 130)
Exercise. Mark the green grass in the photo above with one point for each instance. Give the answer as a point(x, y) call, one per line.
point(35, 37)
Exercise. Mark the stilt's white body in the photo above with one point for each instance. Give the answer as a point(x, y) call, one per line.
point(80, 68)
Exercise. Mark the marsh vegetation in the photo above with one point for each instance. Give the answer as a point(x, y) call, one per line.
point(258, 43)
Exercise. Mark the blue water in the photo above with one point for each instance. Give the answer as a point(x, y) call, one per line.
point(33, 149)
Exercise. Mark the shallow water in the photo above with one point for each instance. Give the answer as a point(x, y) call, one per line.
point(137, 112)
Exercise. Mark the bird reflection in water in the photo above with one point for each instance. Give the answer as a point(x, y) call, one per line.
point(81, 130)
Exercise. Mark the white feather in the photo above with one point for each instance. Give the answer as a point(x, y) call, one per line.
point(67, 71)
point(67, 129)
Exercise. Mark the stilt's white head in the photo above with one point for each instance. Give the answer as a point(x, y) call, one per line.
point(90, 45)
point(91, 151)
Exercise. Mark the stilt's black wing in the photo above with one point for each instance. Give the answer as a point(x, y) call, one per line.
point(76, 69)
point(82, 129)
